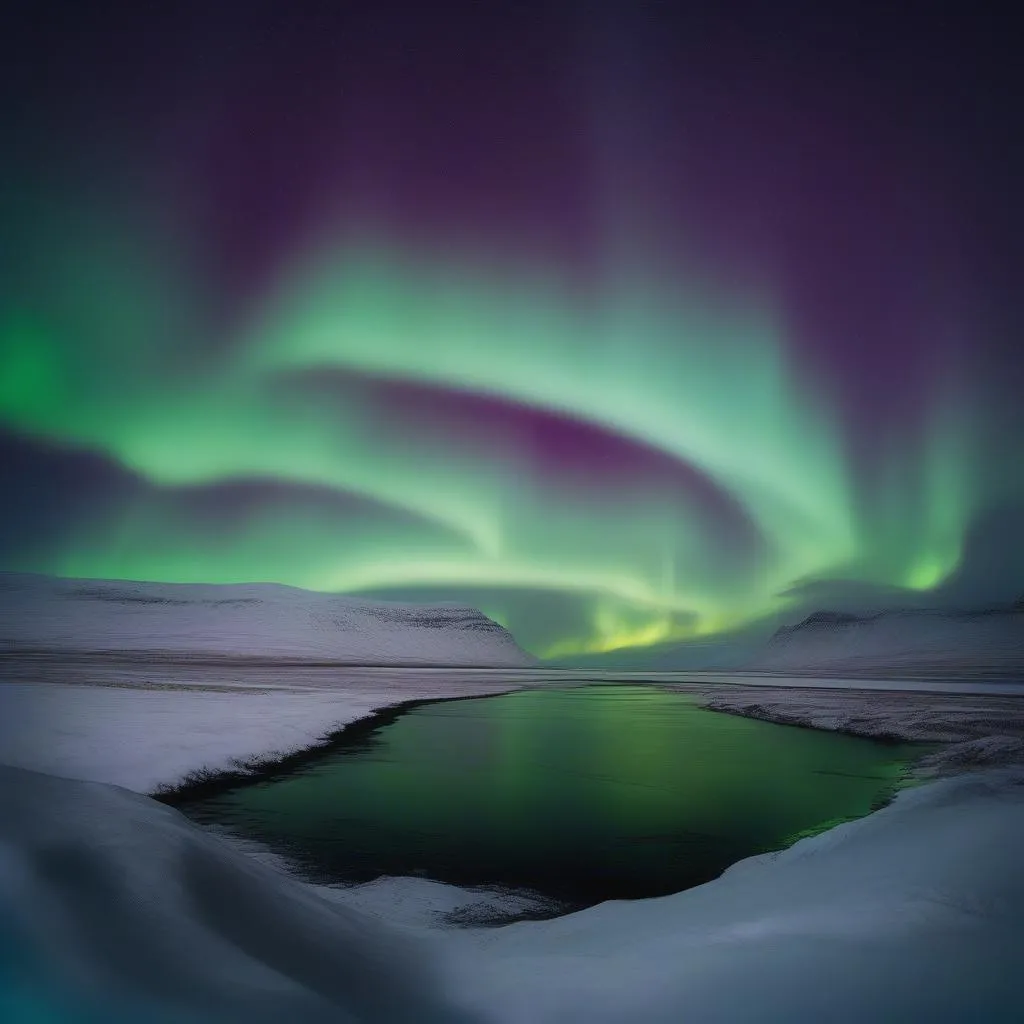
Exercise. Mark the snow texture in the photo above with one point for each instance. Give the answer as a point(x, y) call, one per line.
point(910, 914)
point(144, 684)
point(972, 755)
point(116, 908)
point(144, 722)
point(792, 680)
point(912, 642)
point(423, 903)
point(910, 716)
point(144, 725)
point(245, 620)
point(978, 729)
point(120, 909)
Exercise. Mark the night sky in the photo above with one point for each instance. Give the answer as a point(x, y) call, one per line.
point(626, 323)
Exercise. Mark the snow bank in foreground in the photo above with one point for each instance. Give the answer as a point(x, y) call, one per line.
point(414, 902)
point(259, 619)
point(118, 905)
point(121, 909)
point(915, 913)
point(424, 904)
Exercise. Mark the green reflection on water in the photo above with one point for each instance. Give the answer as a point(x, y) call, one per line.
point(583, 794)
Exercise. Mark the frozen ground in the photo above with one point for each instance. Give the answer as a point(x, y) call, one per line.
point(141, 684)
point(926, 683)
point(979, 729)
point(116, 908)
point(143, 723)
point(910, 914)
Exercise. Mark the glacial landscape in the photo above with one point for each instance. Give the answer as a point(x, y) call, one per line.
point(249, 921)
point(511, 513)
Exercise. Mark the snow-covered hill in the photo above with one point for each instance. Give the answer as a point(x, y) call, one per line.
point(244, 620)
point(916, 641)
point(116, 908)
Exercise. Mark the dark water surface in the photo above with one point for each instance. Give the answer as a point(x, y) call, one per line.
point(586, 794)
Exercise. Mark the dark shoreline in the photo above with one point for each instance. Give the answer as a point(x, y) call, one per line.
point(736, 700)
point(205, 785)
point(204, 782)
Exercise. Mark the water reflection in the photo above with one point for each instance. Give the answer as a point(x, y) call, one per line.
point(582, 794)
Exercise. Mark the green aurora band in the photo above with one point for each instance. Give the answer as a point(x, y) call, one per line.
point(107, 343)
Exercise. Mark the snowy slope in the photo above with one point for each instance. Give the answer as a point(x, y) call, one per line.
point(895, 642)
point(116, 908)
point(260, 619)
point(912, 914)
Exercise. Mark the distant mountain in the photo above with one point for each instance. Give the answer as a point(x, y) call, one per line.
point(243, 620)
point(903, 642)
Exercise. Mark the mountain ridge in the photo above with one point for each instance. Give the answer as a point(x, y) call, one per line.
point(899, 641)
point(53, 613)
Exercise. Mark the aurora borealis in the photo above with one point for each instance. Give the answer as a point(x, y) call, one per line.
point(623, 323)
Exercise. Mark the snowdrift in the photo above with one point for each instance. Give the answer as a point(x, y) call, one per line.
point(119, 909)
point(910, 914)
point(114, 907)
point(244, 620)
point(900, 642)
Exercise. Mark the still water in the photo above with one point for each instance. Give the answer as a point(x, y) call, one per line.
point(586, 794)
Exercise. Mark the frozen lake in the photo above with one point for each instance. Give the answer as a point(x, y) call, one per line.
point(582, 794)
